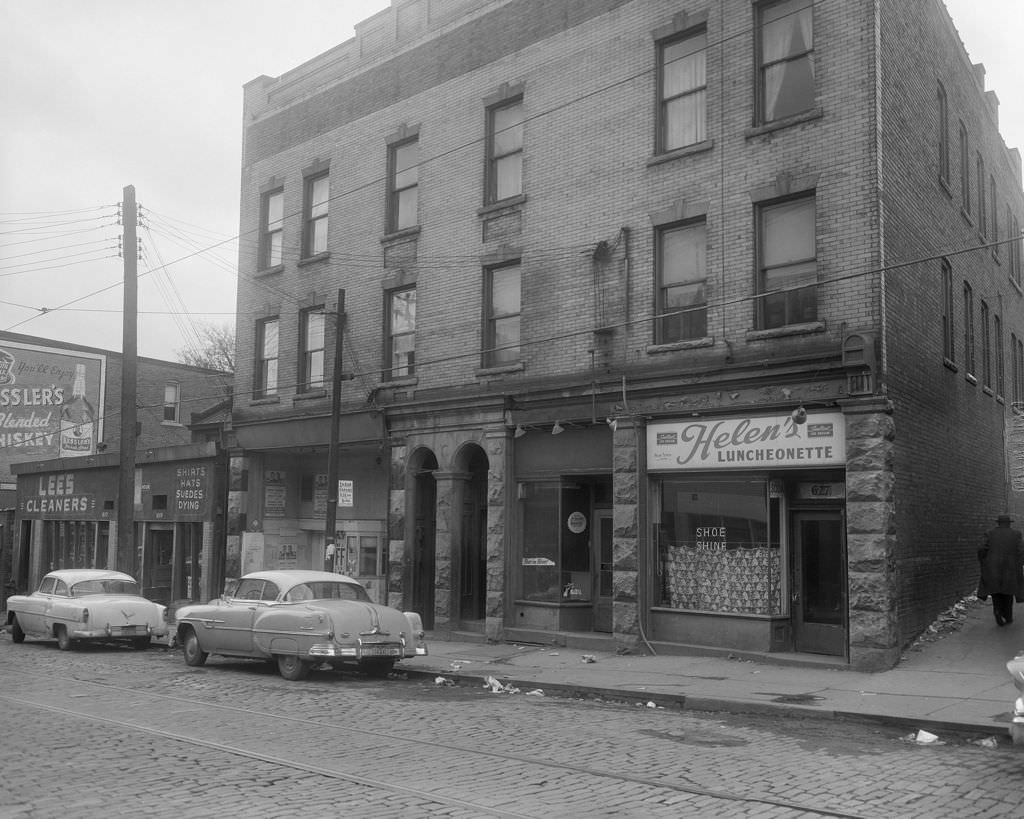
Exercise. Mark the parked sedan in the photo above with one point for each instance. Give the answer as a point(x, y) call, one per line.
point(299, 619)
point(98, 605)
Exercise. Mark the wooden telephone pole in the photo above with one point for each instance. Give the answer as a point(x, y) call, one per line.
point(332, 449)
point(127, 553)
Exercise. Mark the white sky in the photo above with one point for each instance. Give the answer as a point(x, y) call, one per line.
point(99, 94)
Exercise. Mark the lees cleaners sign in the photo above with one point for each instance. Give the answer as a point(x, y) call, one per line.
point(747, 443)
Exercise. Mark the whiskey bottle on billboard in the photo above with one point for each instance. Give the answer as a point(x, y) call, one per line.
point(77, 420)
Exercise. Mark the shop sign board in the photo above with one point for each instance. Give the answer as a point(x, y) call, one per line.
point(76, 495)
point(747, 442)
point(51, 402)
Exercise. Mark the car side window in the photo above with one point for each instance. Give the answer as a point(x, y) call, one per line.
point(62, 589)
point(249, 590)
point(270, 591)
point(299, 593)
point(48, 585)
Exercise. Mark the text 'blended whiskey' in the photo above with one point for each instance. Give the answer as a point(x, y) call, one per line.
point(77, 420)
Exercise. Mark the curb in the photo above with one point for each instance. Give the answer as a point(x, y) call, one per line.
point(684, 702)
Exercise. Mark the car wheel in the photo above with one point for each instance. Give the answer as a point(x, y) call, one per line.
point(17, 635)
point(140, 643)
point(292, 668)
point(377, 668)
point(194, 654)
point(64, 641)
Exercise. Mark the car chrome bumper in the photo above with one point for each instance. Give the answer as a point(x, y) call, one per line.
point(109, 632)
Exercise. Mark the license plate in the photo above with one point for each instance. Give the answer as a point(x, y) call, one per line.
point(381, 651)
point(125, 630)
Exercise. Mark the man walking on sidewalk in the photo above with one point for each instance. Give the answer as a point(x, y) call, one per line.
point(1002, 559)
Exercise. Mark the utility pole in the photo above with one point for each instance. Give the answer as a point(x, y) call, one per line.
point(126, 551)
point(332, 449)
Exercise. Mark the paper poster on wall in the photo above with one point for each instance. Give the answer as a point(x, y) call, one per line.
point(319, 494)
point(273, 493)
point(287, 557)
point(346, 493)
point(252, 551)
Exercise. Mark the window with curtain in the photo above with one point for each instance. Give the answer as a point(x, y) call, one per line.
point(682, 90)
point(403, 185)
point(266, 358)
point(503, 303)
point(682, 283)
point(272, 233)
point(505, 151)
point(401, 333)
point(786, 45)
point(787, 264)
point(172, 402)
point(312, 324)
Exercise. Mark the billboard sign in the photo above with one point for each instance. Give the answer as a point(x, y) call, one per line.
point(51, 402)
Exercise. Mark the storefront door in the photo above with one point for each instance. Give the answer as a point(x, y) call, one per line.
point(819, 583)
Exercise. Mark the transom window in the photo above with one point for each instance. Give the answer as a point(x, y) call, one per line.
point(505, 151)
point(312, 323)
point(266, 357)
point(682, 283)
point(786, 58)
point(503, 303)
point(403, 185)
point(318, 193)
point(682, 91)
point(788, 266)
point(272, 235)
point(401, 334)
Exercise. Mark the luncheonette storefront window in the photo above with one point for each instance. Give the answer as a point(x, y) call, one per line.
point(718, 546)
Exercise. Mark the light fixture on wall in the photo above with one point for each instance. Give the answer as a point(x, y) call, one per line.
point(520, 431)
point(799, 415)
point(612, 422)
point(557, 429)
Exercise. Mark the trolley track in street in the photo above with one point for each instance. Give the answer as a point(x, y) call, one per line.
point(188, 720)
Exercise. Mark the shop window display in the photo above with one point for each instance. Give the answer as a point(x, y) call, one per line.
point(718, 547)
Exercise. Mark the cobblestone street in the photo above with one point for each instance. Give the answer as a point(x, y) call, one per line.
point(110, 732)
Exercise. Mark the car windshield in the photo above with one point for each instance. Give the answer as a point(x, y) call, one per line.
point(108, 586)
point(326, 590)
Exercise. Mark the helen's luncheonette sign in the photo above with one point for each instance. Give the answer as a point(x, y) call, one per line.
point(757, 442)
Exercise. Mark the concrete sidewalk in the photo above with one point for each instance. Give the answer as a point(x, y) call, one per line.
point(952, 679)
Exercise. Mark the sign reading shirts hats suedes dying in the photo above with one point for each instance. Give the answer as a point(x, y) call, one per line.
point(51, 402)
point(758, 442)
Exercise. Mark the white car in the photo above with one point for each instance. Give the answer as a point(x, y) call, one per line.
point(86, 604)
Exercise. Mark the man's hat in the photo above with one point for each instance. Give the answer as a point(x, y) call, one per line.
point(1004, 519)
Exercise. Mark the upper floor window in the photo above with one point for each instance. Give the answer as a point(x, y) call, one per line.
point(311, 349)
point(986, 349)
point(266, 358)
point(502, 306)
point(965, 170)
point(401, 333)
point(786, 58)
point(993, 210)
point(172, 402)
point(682, 91)
point(1014, 246)
point(682, 283)
point(316, 204)
point(505, 151)
point(982, 221)
point(403, 185)
point(997, 337)
point(787, 263)
point(272, 233)
point(969, 362)
point(943, 134)
point(948, 342)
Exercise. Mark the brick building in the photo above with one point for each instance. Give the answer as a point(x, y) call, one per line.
point(60, 439)
point(690, 323)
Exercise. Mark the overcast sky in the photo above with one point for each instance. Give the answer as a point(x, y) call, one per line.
point(99, 94)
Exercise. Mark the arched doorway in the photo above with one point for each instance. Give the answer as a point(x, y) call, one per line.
point(424, 535)
point(472, 597)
